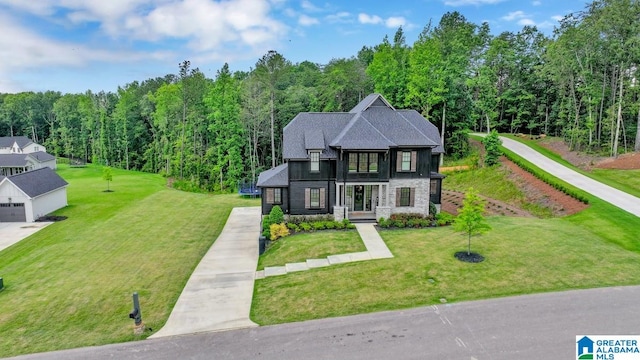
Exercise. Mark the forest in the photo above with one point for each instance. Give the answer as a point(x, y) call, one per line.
point(208, 134)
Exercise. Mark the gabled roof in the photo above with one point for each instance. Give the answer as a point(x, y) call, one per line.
point(276, 177)
point(41, 156)
point(329, 124)
point(373, 124)
point(425, 127)
point(7, 141)
point(37, 182)
point(13, 160)
point(314, 139)
point(376, 100)
point(361, 134)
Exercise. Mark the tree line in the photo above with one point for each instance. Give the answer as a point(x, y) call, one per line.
point(209, 134)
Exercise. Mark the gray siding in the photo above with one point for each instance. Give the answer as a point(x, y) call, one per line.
point(423, 165)
point(266, 208)
point(297, 198)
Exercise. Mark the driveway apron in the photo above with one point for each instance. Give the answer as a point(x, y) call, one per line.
point(219, 292)
point(611, 195)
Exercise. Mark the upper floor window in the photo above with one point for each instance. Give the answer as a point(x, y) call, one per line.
point(315, 161)
point(363, 162)
point(407, 161)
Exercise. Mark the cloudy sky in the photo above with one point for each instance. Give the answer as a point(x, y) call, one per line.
point(75, 45)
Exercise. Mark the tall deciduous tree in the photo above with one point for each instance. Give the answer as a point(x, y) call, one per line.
point(269, 70)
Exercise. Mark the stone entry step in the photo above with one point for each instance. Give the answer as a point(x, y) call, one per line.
point(376, 249)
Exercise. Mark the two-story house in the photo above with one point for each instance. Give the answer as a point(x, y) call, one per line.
point(370, 162)
point(19, 154)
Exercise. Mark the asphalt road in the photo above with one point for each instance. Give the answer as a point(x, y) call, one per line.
point(541, 326)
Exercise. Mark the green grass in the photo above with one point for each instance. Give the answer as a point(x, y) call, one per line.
point(624, 180)
point(70, 284)
point(523, 256)
point(493, 183)
point(303, 246)
point(595, 248)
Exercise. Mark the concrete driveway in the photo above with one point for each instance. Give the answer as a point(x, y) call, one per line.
point(611, 195)
point(218, 294)
point(11, 233)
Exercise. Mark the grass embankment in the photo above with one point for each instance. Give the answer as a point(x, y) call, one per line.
point(70, 284)
point(624, 180)
point(303, 246)
point(594, 248)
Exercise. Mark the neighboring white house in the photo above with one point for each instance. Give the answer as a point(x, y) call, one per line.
point(29, 195)
point(19, 154)
point(19, 145)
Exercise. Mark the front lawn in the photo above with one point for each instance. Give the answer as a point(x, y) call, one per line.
point(315, 245)
point(523, 256)
point(70, 284)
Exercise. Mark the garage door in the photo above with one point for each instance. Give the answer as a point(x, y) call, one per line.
point(13, 212)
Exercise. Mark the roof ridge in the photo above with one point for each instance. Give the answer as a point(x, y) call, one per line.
point(376, 129)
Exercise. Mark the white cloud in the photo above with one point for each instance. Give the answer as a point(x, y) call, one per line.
point(526, 22)
point(369, 19)
point(395, 22)
point(305, 20)
point(514, 15)
point(471, 2)
point(340, 17)
point(308, 6)
point(23, 49)
point(536, 3)
point(557, 17)
point(390, 22)
point(205, 24)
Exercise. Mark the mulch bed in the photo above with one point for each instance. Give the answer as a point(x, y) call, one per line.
point(538, 191)
point(452, 200)
point(469, 257)
point(50, 218)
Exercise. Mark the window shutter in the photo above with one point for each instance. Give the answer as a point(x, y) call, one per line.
point(398, 191)
point(322, 195)
point(414, 158)
point(307, 198)
point(412, 196)
point(399, 161)
point(270, 196)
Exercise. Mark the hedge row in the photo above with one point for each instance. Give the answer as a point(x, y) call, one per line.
point(552, 181)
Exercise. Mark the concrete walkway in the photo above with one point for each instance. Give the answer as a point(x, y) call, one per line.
point(14, 232)
point(376, 249)
point(219, 292)
point(611, 195)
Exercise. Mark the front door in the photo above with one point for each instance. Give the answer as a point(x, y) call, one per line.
point(358, 198)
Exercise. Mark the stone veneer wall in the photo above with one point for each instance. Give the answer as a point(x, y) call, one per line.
point(421, 196)
point(338, 213)
point(383, 212)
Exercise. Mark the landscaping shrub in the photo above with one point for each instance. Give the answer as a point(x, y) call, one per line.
point(293, 227)
point(444, 218)
point(433, 210)
point(276, 216)
point(557, 184)
point(278, 231)
point(330, 225)
point(319, 225)
point(305, 226)
point(340, 225)
point(492, 144)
